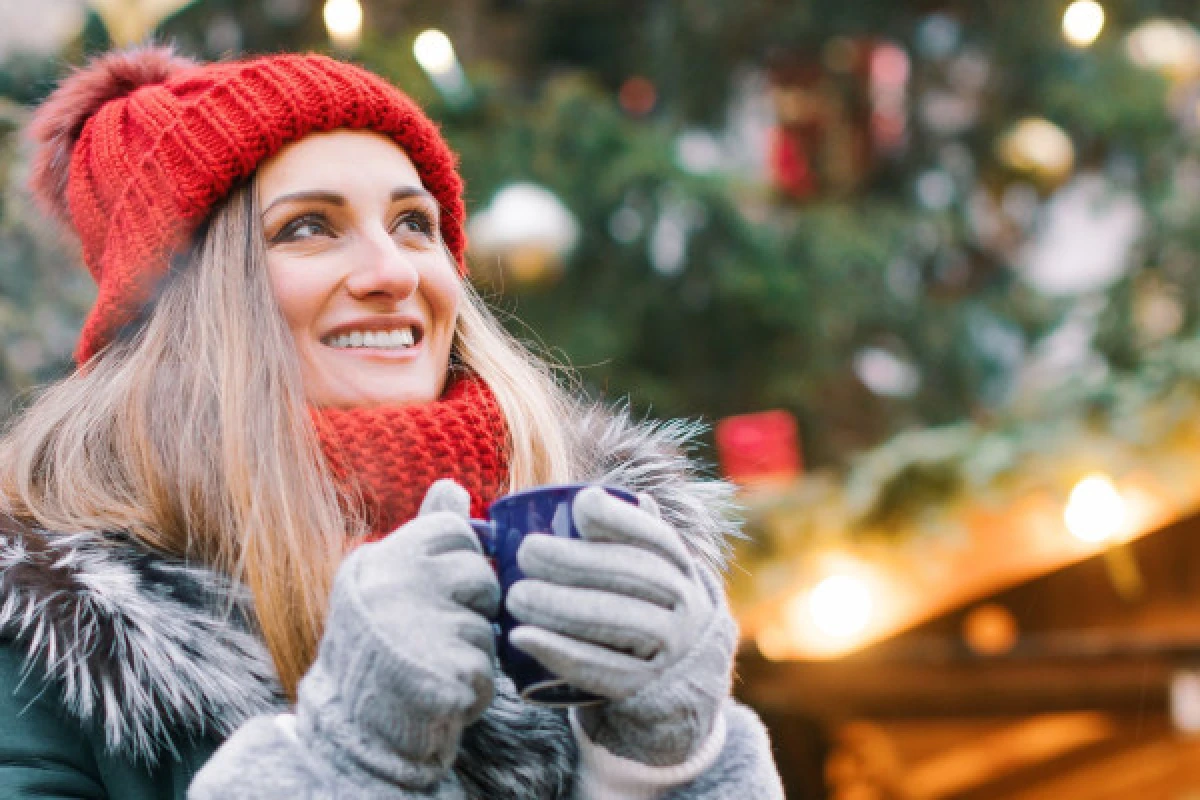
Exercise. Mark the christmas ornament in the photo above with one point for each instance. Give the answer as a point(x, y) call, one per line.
point(1038, 148)
point(1084, 240)
point(526, 231)
point(759, 449)
point(1169, 46)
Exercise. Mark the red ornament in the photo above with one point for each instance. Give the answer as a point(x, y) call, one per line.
point(791, 168)
point(760, 448)
point(637, 96)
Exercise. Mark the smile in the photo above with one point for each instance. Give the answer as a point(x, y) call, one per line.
point(398, 338)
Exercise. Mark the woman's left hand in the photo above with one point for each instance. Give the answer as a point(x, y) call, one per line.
point(627, 613)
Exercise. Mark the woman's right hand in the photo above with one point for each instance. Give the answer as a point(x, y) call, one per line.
point(406, 661)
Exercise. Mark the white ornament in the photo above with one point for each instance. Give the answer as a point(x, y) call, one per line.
point(1083, 242)
point(1169, 46)
point(886, 374)
point(523, 216)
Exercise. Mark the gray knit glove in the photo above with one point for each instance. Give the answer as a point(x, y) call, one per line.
point(629, 614)
point(406, 660)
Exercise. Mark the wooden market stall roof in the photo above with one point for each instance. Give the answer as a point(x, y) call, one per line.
point(1078, 706)
point(930, 564)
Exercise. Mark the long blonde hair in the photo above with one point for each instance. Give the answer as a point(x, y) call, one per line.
point(193, 435)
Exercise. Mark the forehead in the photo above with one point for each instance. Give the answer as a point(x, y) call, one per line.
point(344, 161)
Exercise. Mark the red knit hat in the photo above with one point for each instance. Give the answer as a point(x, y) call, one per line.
point(137, 148)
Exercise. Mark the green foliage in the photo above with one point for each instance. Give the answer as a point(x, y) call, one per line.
point(774, 301)
point(43, 293)
point(765, 313)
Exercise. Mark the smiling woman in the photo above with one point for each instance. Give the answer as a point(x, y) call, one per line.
point(236, 559)
point(358, 267)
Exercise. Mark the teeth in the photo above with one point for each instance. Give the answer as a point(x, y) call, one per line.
point(383, 340)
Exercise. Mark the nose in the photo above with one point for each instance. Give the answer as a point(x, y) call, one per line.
point(381, 271)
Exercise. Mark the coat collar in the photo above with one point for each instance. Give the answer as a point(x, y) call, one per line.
point(156, 651)
point(144, 646)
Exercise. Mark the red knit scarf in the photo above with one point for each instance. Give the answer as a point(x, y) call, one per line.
point(391, 455)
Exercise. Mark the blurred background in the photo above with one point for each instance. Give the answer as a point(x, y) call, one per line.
point(929, 269)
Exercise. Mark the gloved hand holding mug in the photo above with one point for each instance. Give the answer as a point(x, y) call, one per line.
point(407, 657)
point(627, 612)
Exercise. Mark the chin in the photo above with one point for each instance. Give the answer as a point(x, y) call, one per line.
point(392, 397)
point(349, 393)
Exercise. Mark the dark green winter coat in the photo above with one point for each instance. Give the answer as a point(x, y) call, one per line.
point(45, 754)
point(120, 669)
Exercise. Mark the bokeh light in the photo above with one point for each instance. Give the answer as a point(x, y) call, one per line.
point(344, 21)
point(1095, 510)
point(1082, 22)
point(841, 606)
point(1039, 147)
point(434, 52)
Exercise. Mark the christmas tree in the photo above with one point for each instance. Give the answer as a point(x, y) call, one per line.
point(879, 217)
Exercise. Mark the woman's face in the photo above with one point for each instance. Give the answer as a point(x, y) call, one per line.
point(357, 266)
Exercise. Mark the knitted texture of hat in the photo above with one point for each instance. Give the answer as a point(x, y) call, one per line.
point(137, 148)
point(389, 456)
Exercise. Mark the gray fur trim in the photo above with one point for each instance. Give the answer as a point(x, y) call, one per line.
point(516, 751)
point(140, 646)
point(132, 640)
point(656, 457)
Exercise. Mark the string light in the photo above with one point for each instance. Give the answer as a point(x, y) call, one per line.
point(1082, 22)
point(1095, 510)
point(840, 606)
point(344, 20)
point(434, 52)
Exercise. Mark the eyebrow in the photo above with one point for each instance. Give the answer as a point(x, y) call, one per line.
point(335, 199)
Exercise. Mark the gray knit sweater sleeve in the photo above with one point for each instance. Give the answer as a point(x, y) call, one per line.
point(264, 760)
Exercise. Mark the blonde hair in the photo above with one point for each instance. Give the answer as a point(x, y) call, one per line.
point(192, 434)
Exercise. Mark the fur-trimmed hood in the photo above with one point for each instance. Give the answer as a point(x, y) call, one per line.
point(145, 646)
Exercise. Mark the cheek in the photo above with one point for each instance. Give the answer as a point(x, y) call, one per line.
point(443, 293)
point(296, 292)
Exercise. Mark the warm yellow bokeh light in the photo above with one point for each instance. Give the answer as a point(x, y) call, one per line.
point(840, 606)
point(1082, 22)
point(434, 52)
point(343, 20)
point(1171, 46)
point(1040, 147)
point(1095, 510)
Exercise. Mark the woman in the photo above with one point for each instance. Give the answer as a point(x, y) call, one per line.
point(235, 560)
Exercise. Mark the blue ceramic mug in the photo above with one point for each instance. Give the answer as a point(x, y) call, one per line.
point(546, 510)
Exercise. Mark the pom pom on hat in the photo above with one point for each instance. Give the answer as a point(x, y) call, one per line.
point(137, 148)
point(58, 122)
